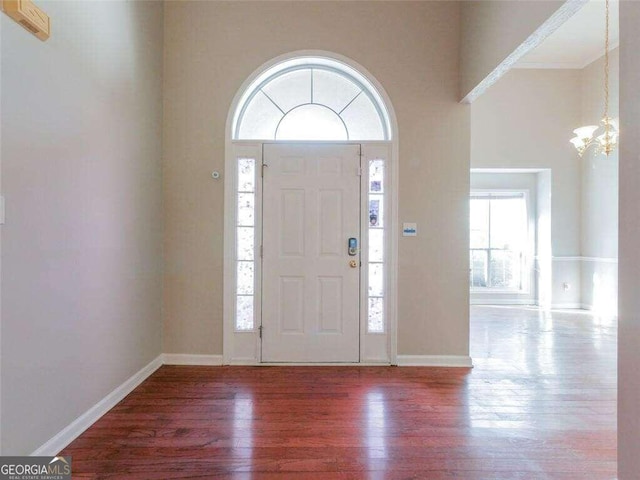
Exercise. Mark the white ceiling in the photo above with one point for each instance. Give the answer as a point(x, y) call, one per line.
point(578, 42)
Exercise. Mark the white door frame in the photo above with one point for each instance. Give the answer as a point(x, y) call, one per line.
point(243, 348)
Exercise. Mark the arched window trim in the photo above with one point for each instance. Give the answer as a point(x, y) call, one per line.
point(312, 63)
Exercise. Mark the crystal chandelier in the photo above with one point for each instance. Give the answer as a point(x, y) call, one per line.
point(607, 141)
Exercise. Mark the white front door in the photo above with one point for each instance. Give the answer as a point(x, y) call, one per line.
point(310, 283)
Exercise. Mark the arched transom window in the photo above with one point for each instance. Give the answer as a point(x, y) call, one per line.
point(311, 99)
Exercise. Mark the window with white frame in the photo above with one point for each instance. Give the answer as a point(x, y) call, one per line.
point(376, 276)
point(311, 99)
point(245, 244)
point(498, 240)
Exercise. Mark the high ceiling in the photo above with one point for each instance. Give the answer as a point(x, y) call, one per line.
point(578, 42)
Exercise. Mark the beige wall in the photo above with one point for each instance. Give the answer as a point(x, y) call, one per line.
point(629, 233)
point(212, 47)
point(525, 121)
point(492, 30)
point(599, 195)
point(81, 248)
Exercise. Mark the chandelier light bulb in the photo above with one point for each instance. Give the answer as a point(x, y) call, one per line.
point(585, 133)
point(577, 142)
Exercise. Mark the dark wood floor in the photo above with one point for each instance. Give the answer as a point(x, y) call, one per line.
point(540, 404)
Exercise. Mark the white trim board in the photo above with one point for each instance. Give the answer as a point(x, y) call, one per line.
point(434, 361)
point(507, 170)
point(323, 364)
point(187, 359)
point(72, 431)
point(566, 306)
point(502, 301)
point(600, 259)
point(584, 259)
point(566, 259)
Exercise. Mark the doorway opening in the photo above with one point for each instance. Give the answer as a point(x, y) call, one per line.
point(510, 237)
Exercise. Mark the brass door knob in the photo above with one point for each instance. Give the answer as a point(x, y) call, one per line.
point(353, 264)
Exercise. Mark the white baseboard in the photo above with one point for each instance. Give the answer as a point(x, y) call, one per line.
point(187, 359)
point(586, 259)
point(502, 301)
point(566, 306)
point(613, 260)
point(567, 259)
point(321, 364)
point(242, 362)
point(88, 418)
point(434, 361)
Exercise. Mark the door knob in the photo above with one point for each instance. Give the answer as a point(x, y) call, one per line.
point(353, 264)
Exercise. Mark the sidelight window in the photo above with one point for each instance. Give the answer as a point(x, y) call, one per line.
point(245, 244)
point(376, 276)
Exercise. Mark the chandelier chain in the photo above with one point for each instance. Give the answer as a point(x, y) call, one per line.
point(607, 140)
point(586, 136)
point(606, 65)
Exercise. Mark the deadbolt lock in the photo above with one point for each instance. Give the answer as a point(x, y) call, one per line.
point(353, 263)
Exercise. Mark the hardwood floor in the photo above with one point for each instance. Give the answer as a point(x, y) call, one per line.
point(539, 404)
